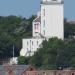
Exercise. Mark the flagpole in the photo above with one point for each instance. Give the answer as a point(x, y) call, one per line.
point(13, 52)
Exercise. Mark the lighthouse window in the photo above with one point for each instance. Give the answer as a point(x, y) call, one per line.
point(44, 23)
point(44, 12)
point(37, 42)
point(27, 42)
point(44, 32)
point(32, 42)
point(35, 26)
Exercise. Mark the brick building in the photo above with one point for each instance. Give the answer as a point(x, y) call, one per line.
point(51, 72)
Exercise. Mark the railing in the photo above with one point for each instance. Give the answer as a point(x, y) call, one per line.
point(51, 2)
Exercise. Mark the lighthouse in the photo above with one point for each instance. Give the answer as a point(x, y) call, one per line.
point(52, 18)
point(49, 23)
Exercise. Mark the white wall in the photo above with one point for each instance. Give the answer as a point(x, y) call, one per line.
point(54, 17)
point(30, 45)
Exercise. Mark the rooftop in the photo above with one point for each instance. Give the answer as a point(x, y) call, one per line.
point(38, 19)
point(18, 69)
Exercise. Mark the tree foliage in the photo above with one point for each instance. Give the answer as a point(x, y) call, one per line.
point(69, 29)
point(56, 53)
point(53, 54)
point(12, 30)
point(23, 60)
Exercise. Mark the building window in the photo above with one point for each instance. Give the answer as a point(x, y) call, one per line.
point(27, 42)
point(35, 26)
point(32, 42)
point(72, 74)
point(44, 73)
point(44, 23)
point(37, 42)
point(43, 12)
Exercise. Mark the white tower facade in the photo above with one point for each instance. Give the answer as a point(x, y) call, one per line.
point(52, 18)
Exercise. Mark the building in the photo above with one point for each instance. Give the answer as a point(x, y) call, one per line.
point(48, 23)
point(71, 21)
point(52, 18)
point(51, 72)
point(30, 45)
point(15, 69)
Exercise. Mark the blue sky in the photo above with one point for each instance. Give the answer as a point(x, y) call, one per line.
point(26, 8)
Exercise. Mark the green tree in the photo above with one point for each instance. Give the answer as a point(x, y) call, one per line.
point(55, 53)
point(12, 30)
point(23, 60)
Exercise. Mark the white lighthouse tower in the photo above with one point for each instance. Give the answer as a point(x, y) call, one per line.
point(52, 17)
